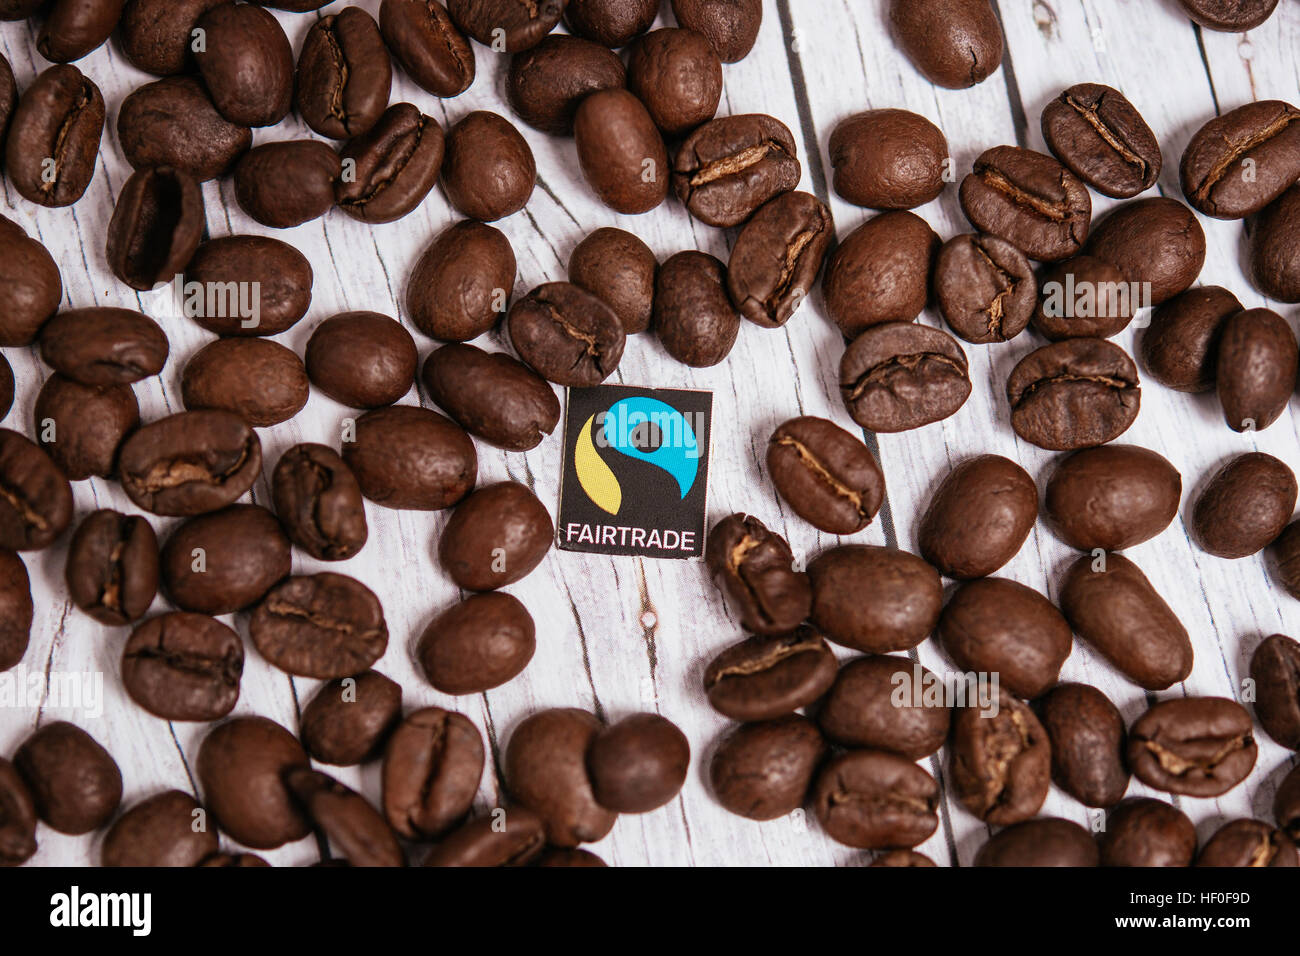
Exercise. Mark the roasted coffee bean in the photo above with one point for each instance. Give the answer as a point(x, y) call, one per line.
point(320, 625)
point(1233, 16)
point(953, 43)
point(362, 359)
point(729, 167)
point(17, 818)
point(828, 476)
point(620, 151)
point(492, 396)
point(730, 25)
point(1242, 160)
point(1286, 550)
point(879, 702)
point(512, 837)
point(1286, 805)
point(261, 381)
point(546, 771)
point(610, 22)
point(880, 272)
point(1256, 369)
point(1156, 242)
point(112, 569)
point(1084, 297)
point(1275, 669)
point(1101, 137)
point(319, 502)
point(30, 288)
point(1073, 394)
point(1001, 760)
point(35, 497)
point(872, 799)
point(567, 335)
point(397, 162)
point(74, 28)
point(1245, 506)
point(888, 159)
point(1112, 497)
point(546, 83)
point(985, 288)
point(764, 770)
point(762, 678)
point(104, 346)
point(156, 35)
point(1146, 832)
point(1273, 246)
point(777, 257)
point(1180, 348)
point(344, 74)
point(463, 282)
point(173, 122)
point(53, 143)
point(82, 426)
point(1086, 732)
point(248, 285)
point(350, 719)
point(432, 766)
point(1029, 199)
point(979, 518)
point(488, 171)
point(247, 64)
point(903, 858)
point(899, 376)
point(411, 458)
point(495, 537)
point(507, 26)
point(164, 830)
point(677, 76)
point(570, 857)
point(1195, 746)
point(1249, 843)
point(74, 782)
point(1110, 604)
point(225, 561)
point(480, 643)
point(181, 666)
point(241, 768)
point(16, 610)
point(1049, 841)
point(694, 318)
point(354, 829)
point(618, 268)
point(427, 44)
point(754, 567)
point(288, 183)
point(907, 596)
point(190, 463)
point(638, 764)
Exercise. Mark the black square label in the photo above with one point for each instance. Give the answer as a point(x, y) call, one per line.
point(636, 471)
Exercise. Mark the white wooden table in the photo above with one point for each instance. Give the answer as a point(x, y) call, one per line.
point(620, 635)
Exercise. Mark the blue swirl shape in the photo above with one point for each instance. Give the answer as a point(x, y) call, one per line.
point(679, 453)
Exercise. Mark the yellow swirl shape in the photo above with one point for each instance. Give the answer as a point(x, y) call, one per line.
point(594, 475)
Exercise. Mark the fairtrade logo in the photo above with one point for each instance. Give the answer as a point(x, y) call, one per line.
point(638, 427)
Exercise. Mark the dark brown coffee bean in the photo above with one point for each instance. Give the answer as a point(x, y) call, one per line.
point(730, 25)
point(17, 818)
point(732, 165)
point(480, 643)
point(1101, 137)
point(1146, 832)
point(241, 768)
point(764, 770)
point(16, 610)
point(495, 537)
point(619, 269)
point(1242, 160)
point(1049, 841)
point(104, 346)
point(954, 43)
point(1087, 737)
point(1273, 242)
point(181, 666)
point(903, 858)
point(167, 829)
point(888, 159)
point(288, 183)
point(694, 318)
point(463, 282)
point(320, 625)
point(30, 288)
point(1286, 550)
point(319, 502)
point(411, 458)
point(546, 771)
point(1249, 843)
point(880, 702)
point(762, 678)
point(1233, 16)
point(349, 720)
point(74, 28)
point(507, 26)
point(622, 155)
point(570, 857)
point(567, 335)
point(428, 46)
point(828, 476)
point(492, 396)
point(1110, 604)
point(677, 76)
point(248, 285)
point(395, 165)
point(74, 782)
point(1073, 394)
point(985, 288)
point(1029, 199)
point(53, 144)
point(362, 359)
point(979, 518)
point(1084, 297)
point(1112, 497)
point(778, 256)
point(225, 561)
point(190, 463)
point(546, 83)
point(1256, 369)
point(871, 799)
point(1156, 242)
point(754, 567)
point(112, 569)
point(156, 35)
point(907, 596)
point(35, 497)
point(899, 376)
point(1286, 805)
point(173, 122)
point(1275, 669)
point(247, 64)
point(880, 272)
point(432, 766)
point(610, 22)
point(261, 381)
point(1001, 760)
point(82, 426)
point(354, 829)
point(1196, 746)
point(344, 74)
point(511, 837)
point(1245, 506)
point(638, 764)
point(488, 171)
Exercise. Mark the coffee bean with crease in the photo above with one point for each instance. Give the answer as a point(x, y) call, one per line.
point(1073, 394)
point(899, 376)
point(1099, 135)
point(1112, 497)
point(985, 288)
point(35, 497)
point(483, 642)
point(320, 625)
point(1245, 506)
point(433, 52)
point(507, 26)
point(83, 426)
point(1249, 843)
point(620, 269)
point(880, 272)
point(261, 381)
point(396, 163)
point(888, 159)
point(693, 316)
point(223, 562)
point(190, 463)
point(880, 702)
point(755, 568)
point(411, 458)
point(173, 122)
point(1030, 200)
point(344, 74)
point(764, 770)
point(1084, 297)
point(979, 517)
point(163, 830)
point(1193, 746)
point(1048, 841)
point(1157, 243)
point(1275, 669)
point(350, 719)
point(777, 257)
point(1240, 161)
point(907, 596)
point(1256, 369)
point(112, 569)
point(355, 830)
point(1000, 763)
point(53, 142)
point(183, 666)
point(872, 799)
point(17, 818)
point(319, 503)
point(828, 476)
point(730, 166)
point(546, 770)
point(492, 395)
point(546, 83)
point(567, 335)
point(16, 611)
point(1146, 832)
point(512, 837)
point(766, 677)
point(104, 346)
point(432, 766)
point(1087, 737)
